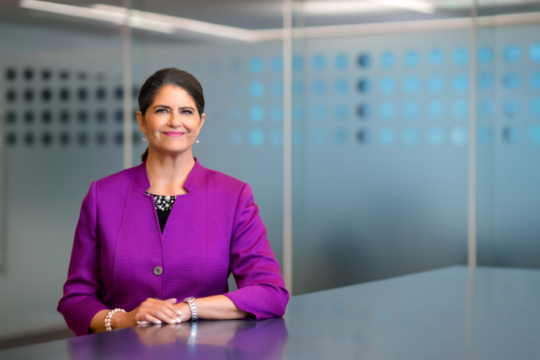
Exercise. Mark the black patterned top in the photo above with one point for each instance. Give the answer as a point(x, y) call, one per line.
point(164, 206)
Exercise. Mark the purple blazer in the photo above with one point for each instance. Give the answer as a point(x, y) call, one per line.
point(213, 230)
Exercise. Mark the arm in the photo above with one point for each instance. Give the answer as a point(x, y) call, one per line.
point(261, 289)
point(81, 300)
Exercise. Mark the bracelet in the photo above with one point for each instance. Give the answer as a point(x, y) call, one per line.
point(191, 302)
point(109, 316)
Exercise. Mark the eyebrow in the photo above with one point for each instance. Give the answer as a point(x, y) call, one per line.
point(168, 107)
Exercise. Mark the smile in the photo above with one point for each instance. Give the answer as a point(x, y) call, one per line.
point(174, 133)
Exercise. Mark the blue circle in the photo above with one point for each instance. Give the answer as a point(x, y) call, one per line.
point(435, 83)
point(411, 84)
point(318, 112)
point(363, 136)
point(235, 138)
point(341, 111)
point(276, 88)
point(436, 57)
point(387, 136)
point(256, 89)
point(341, 86)
point(459, 135)
point(460, 82)
point(318, 62)
point(276, 113)
point(511, 81)
point(534, 134)
point(485, 108)
point(484, 135)
point(511, 108)
point(534, 52)
point(387, 85)
point(297, 63)
point(341, 61)
point(534, 106)
point(534, 80)
point(364, 86)
point(256, 137)
point(235, 65)
point(318, 87)
point(411, 58)
point(276, 64)
point(461, 56)
point(485, 55)
point(435, 136)
point(510, 134)
point(297, 87)
point(236, 90)
point(460, 109)
point(387, 110)
point(388, 60)
point(297, 137)
point(435, 109)
point(235, 113)
point(511, 53)
point(364, 111)
point(256, 65)
point(215, 138)
point(411, 110)
point(276, 137)
point(318, 137)
point(411, 136)
point(341, 136)
point(297, 112)
point(364, 61)
point(256, 113)
point(484, 81)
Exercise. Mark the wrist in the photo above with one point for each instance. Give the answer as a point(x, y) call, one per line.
point(121, 320)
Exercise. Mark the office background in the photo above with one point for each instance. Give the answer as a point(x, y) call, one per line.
point(380, 101)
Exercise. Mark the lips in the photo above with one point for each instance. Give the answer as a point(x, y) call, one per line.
point(174, 133)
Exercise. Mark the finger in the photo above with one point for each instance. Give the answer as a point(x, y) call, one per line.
point(152, 319)
point(172, 307)
point(172, 300)
point(165, 315)
point(142, 323)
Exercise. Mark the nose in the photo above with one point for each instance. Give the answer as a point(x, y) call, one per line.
point(174, 121)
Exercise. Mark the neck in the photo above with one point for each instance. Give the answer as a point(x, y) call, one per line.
point(167, 173)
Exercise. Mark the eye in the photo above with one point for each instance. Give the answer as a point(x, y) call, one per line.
point(161, 111)
point(187, 112)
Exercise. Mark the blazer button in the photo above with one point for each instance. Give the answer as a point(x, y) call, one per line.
point(158, 270)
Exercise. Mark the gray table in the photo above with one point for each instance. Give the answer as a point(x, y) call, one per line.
point(451, 313)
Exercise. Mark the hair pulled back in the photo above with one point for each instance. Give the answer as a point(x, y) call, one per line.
point(169, 76)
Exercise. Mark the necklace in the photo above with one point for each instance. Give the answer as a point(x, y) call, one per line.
point(163, 203)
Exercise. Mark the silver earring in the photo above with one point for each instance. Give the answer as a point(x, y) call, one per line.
point(145, 139)
point(197, 141)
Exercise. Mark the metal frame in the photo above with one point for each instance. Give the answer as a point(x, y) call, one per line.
point(3, 230)
point(287, 143)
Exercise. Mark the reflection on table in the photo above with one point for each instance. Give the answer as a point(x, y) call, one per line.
point(204, 339)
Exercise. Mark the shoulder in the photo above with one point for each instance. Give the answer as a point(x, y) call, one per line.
point(220, 181)
point(118, 180)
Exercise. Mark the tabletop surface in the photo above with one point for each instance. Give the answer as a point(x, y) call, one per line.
point(451, 313)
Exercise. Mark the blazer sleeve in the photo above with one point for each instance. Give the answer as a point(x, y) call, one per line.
point(81, 300)
point(261, 289)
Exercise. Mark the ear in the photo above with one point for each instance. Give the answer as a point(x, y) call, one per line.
point(203, 117)
point(140, 120)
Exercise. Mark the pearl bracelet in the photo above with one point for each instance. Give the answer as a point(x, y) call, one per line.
point(109, 316)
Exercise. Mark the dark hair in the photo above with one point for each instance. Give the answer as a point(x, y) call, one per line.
point(169, 76)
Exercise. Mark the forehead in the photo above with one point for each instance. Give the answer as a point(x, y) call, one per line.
point(173, 95)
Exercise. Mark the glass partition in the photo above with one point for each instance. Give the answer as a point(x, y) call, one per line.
point(380, 133)
point(508, 111)
point(60, 69)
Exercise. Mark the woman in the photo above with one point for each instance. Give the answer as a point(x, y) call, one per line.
point(157, 242)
